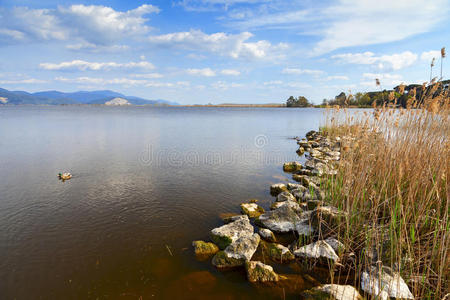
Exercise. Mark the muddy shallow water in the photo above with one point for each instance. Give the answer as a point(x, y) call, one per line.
point(146, 183)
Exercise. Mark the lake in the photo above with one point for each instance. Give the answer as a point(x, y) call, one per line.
point(147, 181)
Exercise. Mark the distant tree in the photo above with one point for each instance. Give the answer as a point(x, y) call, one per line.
point(301, 101)
point(290, 101)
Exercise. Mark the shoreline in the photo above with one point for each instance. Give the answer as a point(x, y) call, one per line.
point(256, 239)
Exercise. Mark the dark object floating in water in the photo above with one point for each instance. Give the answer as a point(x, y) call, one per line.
point(64, 176)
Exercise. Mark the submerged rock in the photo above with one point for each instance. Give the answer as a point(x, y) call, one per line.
point(203, 249)
point(320, 250)
point(227, 234)
point(292, 166)
point(252, 210)
point(259, 272)
point(332, 292)
point(277, 188)
point(285, 196)
point(237, 253)
point(384, 283)
point(276, 252)
point(267, 235)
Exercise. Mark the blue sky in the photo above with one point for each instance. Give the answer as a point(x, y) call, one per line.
point(216, 51)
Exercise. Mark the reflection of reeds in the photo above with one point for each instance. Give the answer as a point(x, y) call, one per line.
point(394, 183)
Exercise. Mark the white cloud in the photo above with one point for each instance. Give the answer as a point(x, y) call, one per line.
point(273, 82)
point(97, 48)
point(296, 71)
point(337, 77)
point(207, 72)
point(230, 72)
point(386, 79)
point(222, 85)
point(23, 81)
point(97, 81)
point(148, 75)
point(384, 62)
point(92, 24)
point(232, 45)
point(95, 66)
point(365, 22)
point(429, 55)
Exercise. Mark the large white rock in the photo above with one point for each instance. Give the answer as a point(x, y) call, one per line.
point(227, 234)
point(384, 283)
point(237, 253)
point(318, 250)
point(337, 292)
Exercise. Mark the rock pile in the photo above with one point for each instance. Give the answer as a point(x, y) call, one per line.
point(300, 209)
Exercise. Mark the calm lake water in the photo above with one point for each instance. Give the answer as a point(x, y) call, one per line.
point(147, 182)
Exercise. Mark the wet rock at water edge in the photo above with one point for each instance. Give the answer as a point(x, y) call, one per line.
point(282, 219)
point(292, 204)
point(204, 250)
point(226, 234)
point(319, 250)
point(382, 282)
point(237, 253)
point(332, 292)
point(267, 235)
point(306, 180)
point(294, 186)
point(277, 188)
point(292, 166)
point(252, 210)
point(259, 272)
point(276, 252)
point(285, 196)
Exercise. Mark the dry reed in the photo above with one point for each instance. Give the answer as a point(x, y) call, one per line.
point(394, 184)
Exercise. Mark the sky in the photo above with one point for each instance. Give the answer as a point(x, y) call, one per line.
point(221, 51)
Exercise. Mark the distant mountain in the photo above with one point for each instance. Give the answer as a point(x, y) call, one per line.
point(81, 97)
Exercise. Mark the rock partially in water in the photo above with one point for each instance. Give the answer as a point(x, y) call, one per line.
point(285, 196)
point(277, 188)
point(252, 210)
point(267, 235)
point(231, 217)
point(237, 253)
point(294, 186)
point(259, 272)
point(282, 219)
point(292, 204)
point(319, 250)
point(332, 292)
point(204, 250)
point(384, 283)
point(276, 252)
point(227, 234)
point(307, 181)
point(292, 166)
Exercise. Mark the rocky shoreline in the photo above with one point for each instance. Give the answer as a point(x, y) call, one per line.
point(301, 212)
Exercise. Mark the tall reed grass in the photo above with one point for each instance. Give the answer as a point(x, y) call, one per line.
point(393, 181)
